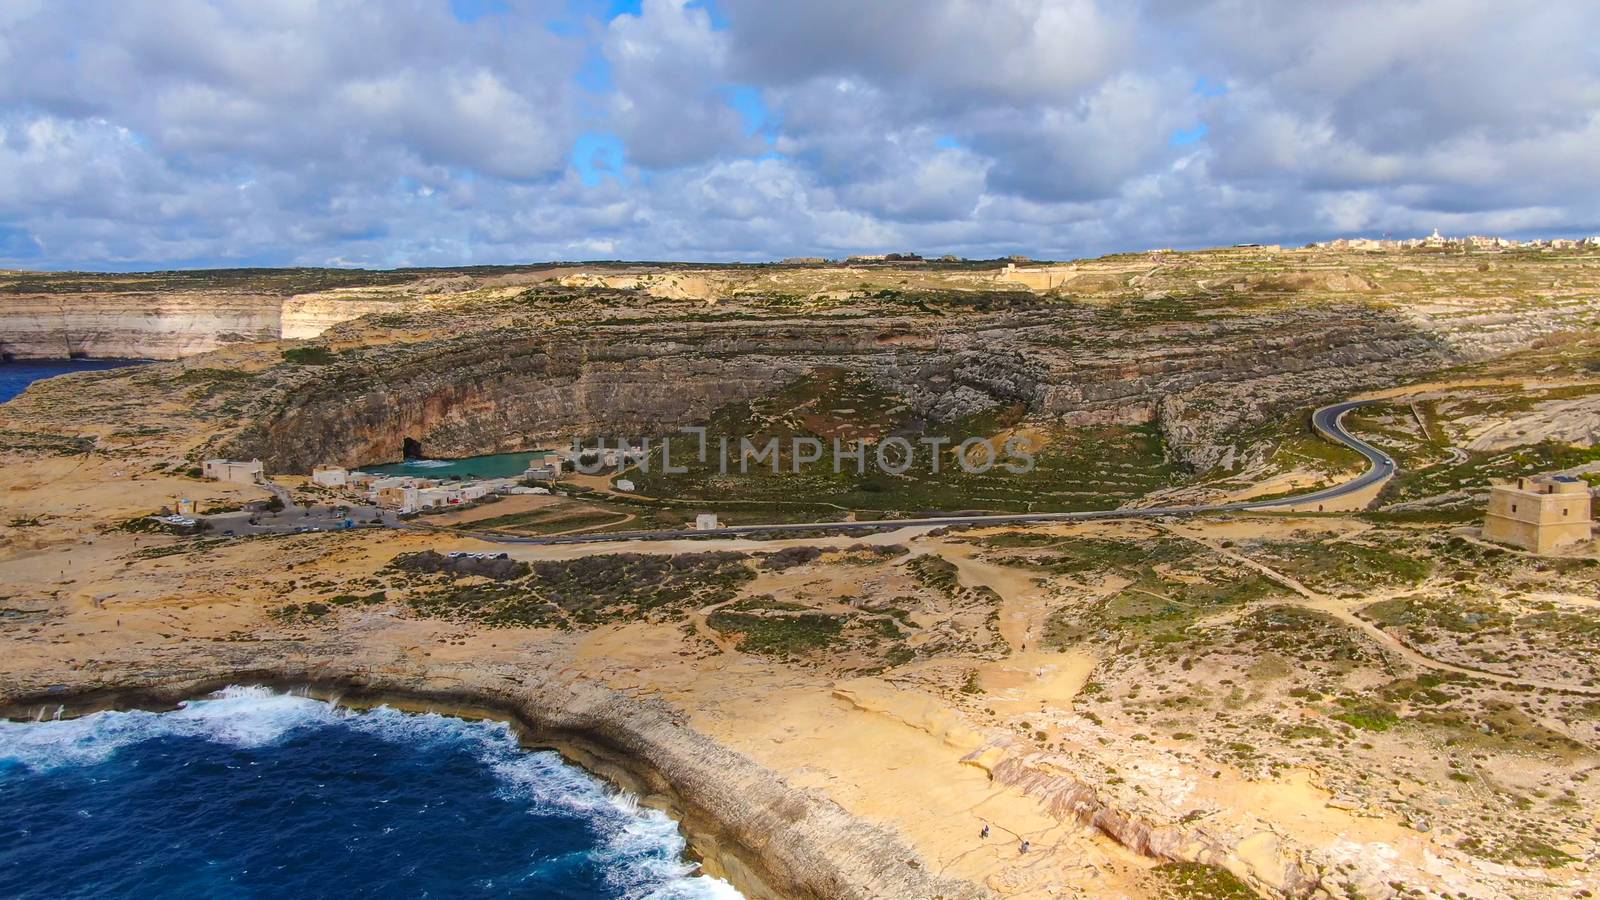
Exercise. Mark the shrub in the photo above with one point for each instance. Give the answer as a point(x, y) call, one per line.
point(309, 356)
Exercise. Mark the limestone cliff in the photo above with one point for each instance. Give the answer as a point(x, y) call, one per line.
point(133, 325)
point(1204, 345)
point(172, 315)
point(164, 326)
point(500, 387)
point(309, 315)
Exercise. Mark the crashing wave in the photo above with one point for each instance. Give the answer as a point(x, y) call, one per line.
point(640, 850)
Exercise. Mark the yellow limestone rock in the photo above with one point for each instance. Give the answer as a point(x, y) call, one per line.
point(912, 708)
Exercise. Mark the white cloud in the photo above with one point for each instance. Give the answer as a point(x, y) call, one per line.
point(323, 131)
point(670, 106)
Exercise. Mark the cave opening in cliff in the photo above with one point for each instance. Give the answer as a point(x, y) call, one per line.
point(411, 449)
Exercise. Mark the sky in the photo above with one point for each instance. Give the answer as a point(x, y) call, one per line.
point(139, 134)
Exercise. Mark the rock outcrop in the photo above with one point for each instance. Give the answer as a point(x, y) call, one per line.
point(475, 361)
point(133, 325)
point(164, 326)
point(749, 825)
point(496, 388)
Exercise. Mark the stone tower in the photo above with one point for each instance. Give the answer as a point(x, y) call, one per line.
point(1541, 513)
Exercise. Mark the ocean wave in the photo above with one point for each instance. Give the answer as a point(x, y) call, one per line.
point(236, 716)
point(640, 850)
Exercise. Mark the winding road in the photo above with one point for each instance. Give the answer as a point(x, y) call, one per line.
point(1328, 422)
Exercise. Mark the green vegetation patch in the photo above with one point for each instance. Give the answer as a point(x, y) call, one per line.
point(1516, 849)
point(588, 590)
point(1459, 613)
point(45, 443)
point(1298, 635)
point(936, 573)
point(310, 356)
point(1480, 468)
point(1367, 715)
point(782, 634)
point(783, 630)
point(1173, 584)
point(1077, 556)
point(1074, 468)
point(1193, 881)
point(1333, 565)
point(546, 521)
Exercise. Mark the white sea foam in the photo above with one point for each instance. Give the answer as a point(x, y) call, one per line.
point(640, 850)
point(237, 716)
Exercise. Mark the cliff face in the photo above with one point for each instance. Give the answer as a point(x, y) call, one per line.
point(163, 325)
point(309, 315)
point(1203, 345)
point(499, 389)
point(133, 325)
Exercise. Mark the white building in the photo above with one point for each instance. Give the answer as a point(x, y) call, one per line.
point(232, 470)
point(379, 484)
point(706, 522)
point(330, 476)
point(548, 471)
point(624, 484)
point(402, 497)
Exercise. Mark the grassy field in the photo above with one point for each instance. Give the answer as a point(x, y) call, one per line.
point(1074, 468)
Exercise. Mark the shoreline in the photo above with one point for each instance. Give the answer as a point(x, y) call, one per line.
point(740, 821)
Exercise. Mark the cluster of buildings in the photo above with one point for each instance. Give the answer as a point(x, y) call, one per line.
point(409, 493)
point(1437, 241)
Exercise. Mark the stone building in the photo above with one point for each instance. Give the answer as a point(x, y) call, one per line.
point(330, 476)
point(1541, 513)
point(402, 497)
point(232, 470)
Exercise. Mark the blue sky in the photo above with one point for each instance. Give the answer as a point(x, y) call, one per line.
point(444, 132)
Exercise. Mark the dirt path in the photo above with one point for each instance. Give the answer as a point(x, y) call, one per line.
point(1031, 676)
point(1343, 611)
point(700, 618)
point(627, 517)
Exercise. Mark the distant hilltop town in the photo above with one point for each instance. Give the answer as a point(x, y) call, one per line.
point(1471, 242)
point(1434, 241)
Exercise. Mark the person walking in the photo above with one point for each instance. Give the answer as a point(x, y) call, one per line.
point(985, 832)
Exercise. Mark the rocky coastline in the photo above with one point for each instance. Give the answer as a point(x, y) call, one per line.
point(743, 822)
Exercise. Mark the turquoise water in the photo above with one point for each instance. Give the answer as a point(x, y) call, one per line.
point(495, 465)
point(15, 376)
point(256, 794)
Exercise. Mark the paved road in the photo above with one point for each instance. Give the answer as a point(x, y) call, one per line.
point(293, 518)
point(1327, 421)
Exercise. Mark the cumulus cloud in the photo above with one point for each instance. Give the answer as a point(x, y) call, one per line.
point(937, 54)
point(670, 105)
point(336, 132)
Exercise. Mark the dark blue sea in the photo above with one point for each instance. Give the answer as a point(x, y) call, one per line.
point(257, 794)
point(17, 375)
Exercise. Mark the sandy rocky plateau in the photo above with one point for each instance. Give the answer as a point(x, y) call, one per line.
point(1363, 704)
